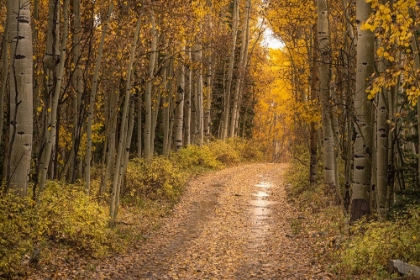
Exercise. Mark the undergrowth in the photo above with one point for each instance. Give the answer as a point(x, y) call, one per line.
point(67, 221)
point(360, 251)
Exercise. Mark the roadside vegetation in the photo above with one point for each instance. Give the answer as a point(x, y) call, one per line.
point(67, 224)
point(361, 250)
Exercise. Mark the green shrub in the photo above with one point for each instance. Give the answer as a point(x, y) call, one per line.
point(373, 244)
point(156, 178)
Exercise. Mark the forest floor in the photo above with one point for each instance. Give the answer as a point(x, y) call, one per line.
point(230, 224)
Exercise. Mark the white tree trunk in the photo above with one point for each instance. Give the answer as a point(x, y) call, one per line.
point(179, 104)
point(77, 102)
point(243, 60)
point(363, 127)
point(229, 82)
point(324, 48)
point(148, 152)
point(123, 131)
point(187, 109)
point(382, 140)
point(199, 101)
point(52, 126)
point(93, 97)
point(21, 101)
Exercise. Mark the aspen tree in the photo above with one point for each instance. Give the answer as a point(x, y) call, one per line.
point(77, 101)
point(148, 134)
point(179, 104)
point(187, 103)
point(93, 93)
point(4, 74)
point(324, 48)
point(50, 61)
point(167, 104)
point(381, 153)
point(209, 72)
point(363, 125)
point(229, 82)
point(313, 147)
point(198, 93)
point(126, 130)
point(21, 101)
point(243, 61)
point(348, 92)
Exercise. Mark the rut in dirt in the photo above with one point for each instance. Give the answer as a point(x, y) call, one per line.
point(230, 224)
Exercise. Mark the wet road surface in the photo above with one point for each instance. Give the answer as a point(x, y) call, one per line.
point(230, 224)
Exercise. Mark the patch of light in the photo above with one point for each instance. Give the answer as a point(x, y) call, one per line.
point(270, 40)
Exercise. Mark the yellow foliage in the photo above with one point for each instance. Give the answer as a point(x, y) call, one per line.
point(64, 215)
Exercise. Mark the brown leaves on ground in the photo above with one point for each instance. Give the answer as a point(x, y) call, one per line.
point(230, 224)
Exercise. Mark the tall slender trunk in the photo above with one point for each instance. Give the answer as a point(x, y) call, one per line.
point(229, 82)
point(58, 77)
point(199, 101)
point(242, 65)
point(324, 48)
point(77, 100)
point(187, 108)
point(93, 97)
point(112, 113)
point(129, 133)
point(179, 104)
point(313, 126)
point(348, 70)
point(167, 108)
point(148, 152)
point(382, 133)
point(363, 124)
point(119, 168)
point(4, 75)
point(139, 124)
point(21, 100)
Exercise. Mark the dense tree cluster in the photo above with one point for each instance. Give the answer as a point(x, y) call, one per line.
point(87, 85)
point(357, 63)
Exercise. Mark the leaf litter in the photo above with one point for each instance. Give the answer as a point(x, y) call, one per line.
point(234, 223)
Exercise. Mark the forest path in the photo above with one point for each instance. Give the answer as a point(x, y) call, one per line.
point(230, 224)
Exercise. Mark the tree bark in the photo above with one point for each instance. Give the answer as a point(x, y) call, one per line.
point(21, 100)
point(148, 152)
point(187, 103)
point(324, 49)
point(122, 142)
point(58, 79)
point(93, 97)
point(363, 126)
point(242, 65)
point(229, 82)
point(179, 104)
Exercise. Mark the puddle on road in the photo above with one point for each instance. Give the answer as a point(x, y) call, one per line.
point(260, 214)
point(265, 185)
point(260, 194)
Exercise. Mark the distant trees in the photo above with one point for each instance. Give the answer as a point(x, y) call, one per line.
point(114, 80)
point(364, 69)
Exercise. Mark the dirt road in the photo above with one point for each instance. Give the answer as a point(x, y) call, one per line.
point(230, 224)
